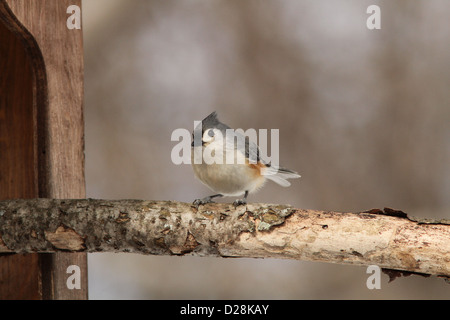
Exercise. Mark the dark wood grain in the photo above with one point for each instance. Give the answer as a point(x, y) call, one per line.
point(19, 274)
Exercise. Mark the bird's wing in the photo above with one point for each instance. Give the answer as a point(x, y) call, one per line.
point(244, 145)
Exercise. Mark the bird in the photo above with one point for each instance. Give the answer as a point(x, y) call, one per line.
point(212, 149)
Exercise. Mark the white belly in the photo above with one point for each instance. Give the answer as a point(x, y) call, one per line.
point(228, 179)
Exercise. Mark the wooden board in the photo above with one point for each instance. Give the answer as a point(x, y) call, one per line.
point(41, 133)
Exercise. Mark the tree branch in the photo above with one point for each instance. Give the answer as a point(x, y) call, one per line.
point(386, 238)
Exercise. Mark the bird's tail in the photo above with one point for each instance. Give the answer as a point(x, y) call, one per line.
point(279, 175)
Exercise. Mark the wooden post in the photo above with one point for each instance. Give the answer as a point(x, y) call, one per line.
point(41, 133)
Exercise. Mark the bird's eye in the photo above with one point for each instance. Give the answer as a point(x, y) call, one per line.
point(209, 135)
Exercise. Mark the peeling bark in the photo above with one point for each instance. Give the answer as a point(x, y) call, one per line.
point(64, 239)
point(389, 238)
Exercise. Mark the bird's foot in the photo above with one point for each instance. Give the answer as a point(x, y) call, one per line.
point(199, 202)
point(239, 202)
point(206, 200)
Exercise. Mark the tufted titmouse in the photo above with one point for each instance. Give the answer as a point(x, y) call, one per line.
point(229, 164)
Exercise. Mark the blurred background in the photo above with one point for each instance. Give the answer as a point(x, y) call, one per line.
point(363, 116)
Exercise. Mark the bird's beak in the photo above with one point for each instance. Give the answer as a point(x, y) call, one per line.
point(192, 144)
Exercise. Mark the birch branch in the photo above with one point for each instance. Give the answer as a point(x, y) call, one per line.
point(389, 238)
